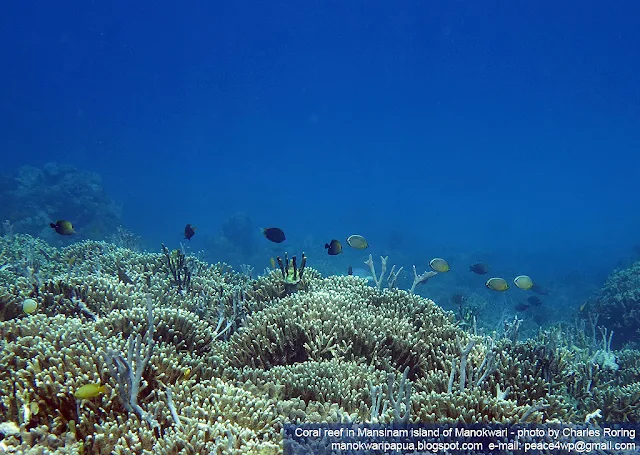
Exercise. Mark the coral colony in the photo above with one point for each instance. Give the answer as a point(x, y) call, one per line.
point(109, 350)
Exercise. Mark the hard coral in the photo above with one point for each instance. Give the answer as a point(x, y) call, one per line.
point(618, 305)
point(332, 351)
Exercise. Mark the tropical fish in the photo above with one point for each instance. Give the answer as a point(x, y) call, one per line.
point(480, 268)
point(274, 234)
point(523, 282)
point(123, 277)
point(357, 241)
point(534, 300)
point(521, 307)
point(189, 232)
point(497, 284)
point(272, 261)
point(186, 373)
point(350, 271)
point(63, 227)
point(29, 306)
point(539, 289)
point(88, 391)
point(439, 265)
point(333, 248)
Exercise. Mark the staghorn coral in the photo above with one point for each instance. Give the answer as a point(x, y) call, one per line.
point(335, 350)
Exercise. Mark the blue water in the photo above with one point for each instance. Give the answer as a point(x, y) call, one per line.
point(500, 132)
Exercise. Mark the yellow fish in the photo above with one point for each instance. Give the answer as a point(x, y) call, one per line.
point(272, 262)
point(523, 282)
point(439, 265)
point(88, 391)
point(357, 241)
point(497, 284)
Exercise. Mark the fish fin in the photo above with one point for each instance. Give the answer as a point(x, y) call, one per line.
point(53, 226)
point(326, 246)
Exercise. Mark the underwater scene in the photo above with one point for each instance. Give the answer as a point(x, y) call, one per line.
point(222, 221)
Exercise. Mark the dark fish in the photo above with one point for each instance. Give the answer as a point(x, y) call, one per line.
point(63, 227)
point(480, 268)
point(521, 307)
point(333, 248)
point(123, 277)
point(350, 271)
point(539, 289)
point(534, 301)
point(274, 234)
point(189, 232)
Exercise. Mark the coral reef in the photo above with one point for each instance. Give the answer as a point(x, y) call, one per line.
point(618, 304)
point(220, 365)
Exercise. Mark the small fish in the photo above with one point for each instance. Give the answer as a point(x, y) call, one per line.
point(333, 248)
point(539, 289)
point(274, 234)
point(534, 300)
point(29, 306)
point(88, 391)
point(480, 268)
point(186, 373)
point(63, 227)
point(439, 265)
point(350, 271)
point(189, 231)
point(357, 241)
point(497, 284)
point(272, 261)
point(524, 282)
point(521, 307)
point(71, 261)
point(123, 277)
point(583, 306)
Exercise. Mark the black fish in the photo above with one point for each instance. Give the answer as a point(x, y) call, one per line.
point(274, 234)
point(521, 307)
point(333, 248)
point(534, 301)
point(480, 268)
point(350, 271)
point(122, 276)
point(189, 232)
point(539, 289)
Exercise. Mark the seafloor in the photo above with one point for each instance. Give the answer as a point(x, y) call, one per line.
point(197, 358)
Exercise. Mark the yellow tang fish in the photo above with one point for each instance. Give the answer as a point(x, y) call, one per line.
point(88, 391)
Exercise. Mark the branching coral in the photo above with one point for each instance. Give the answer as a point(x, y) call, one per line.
point(221, 368)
